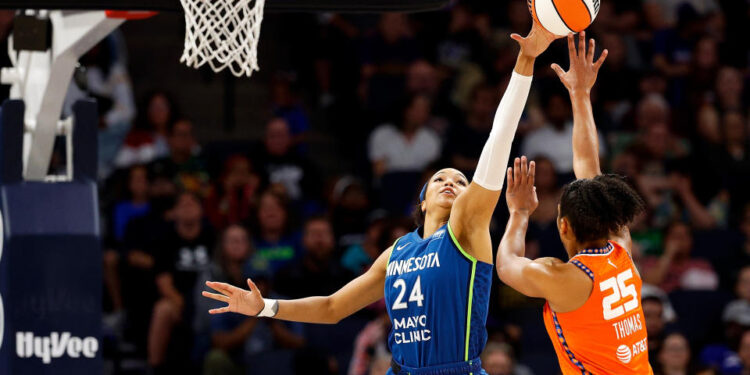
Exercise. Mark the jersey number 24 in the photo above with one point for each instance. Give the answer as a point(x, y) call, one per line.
point(414, 296)
point(612, 303)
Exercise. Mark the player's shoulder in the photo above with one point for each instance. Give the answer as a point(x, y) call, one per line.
point(563, 284)
point(552, 269)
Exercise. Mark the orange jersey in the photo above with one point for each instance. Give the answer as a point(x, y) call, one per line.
point(607, 335)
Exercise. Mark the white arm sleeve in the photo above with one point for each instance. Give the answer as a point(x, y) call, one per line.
point(490, 173)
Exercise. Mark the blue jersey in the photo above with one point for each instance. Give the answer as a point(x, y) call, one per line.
point(437, 297)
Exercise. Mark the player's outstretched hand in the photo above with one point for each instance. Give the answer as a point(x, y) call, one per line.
point(521, 193)
point(536, 42)
point(583, 69)
point(248, 302)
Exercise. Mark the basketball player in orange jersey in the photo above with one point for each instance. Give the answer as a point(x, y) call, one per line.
point(593, 313)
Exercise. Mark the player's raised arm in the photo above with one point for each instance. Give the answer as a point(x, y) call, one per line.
point(579, 80)
point(547, 278)
point(473, 210)
point(358, 293)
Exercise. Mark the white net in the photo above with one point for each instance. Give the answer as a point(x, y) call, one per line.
point(222, 33)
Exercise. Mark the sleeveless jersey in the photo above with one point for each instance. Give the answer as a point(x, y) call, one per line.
point(607, 335)
point(437, 297)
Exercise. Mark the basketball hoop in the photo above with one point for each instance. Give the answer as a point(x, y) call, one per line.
point(223, 33)
point(130, 14)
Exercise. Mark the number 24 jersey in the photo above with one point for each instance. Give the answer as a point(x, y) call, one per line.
point(437, 297)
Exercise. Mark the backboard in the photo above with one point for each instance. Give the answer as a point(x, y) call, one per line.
point(359, 6)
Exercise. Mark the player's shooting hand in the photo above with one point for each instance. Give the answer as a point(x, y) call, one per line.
point(581, 76)
point(247, 302)
point(521, 192)
point(536, 42)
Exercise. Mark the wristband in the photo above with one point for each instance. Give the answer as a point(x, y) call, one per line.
point(270, 308)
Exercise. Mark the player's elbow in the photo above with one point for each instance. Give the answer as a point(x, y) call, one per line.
point(333, 314)
point(505, 267)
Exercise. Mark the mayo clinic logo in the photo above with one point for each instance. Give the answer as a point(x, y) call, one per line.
point(624, 354)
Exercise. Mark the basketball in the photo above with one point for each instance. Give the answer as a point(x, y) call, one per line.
point(562, 17)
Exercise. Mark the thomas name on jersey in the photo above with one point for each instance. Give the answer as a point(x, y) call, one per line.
point(399, 267)
point(628, 326)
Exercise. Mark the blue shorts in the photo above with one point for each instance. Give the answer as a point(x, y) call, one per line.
point(473, 367)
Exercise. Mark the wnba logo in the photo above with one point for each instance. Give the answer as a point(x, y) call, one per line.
point(623, 354)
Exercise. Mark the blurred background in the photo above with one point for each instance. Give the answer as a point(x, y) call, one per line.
point(302, 175)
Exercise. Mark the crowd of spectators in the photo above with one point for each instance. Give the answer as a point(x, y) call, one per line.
point(401, 95)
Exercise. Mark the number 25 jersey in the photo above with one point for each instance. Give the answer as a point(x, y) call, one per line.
point(607, 335)
point(437, 297)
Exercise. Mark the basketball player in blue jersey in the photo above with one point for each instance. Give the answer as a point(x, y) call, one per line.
point(436, 280)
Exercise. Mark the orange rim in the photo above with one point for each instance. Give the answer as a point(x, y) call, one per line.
point(130, 14)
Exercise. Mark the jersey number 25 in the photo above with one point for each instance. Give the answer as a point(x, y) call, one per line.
point(612, 304)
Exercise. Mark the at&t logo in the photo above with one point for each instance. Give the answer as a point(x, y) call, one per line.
point(624, 354)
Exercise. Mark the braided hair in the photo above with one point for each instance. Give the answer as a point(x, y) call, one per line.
point(599, 206)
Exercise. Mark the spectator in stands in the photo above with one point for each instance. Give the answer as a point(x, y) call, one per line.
point(234, 198)
point(276, 242)
point(380, 365)
point(744, 352)
point(653, 314)
point(708, 160)
point(467, 138)
point(543, 224)
point(553, 139)
point(235, 338)
point(398, 153)
point(675, 269)
point(659, 148)
point(318, 272)
point(139, 247)
point(462, 45)
point(350, 207)
point(386, 56)
point(423, 78)
point(498, 359)
point(284, 167)
point(408, 145)
point(703, 68)
point(737, 313)
point(105, 77)
point(370, 345)
point(184, 252)
point(652, 109)
point(285, 104)
point(730, 86)
point(702, 217)
point(672, 47)
point(184, 162)
point(137, 205)
point(147, 141)
point(359, 257)
point(674, 356)
point(618, 81)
